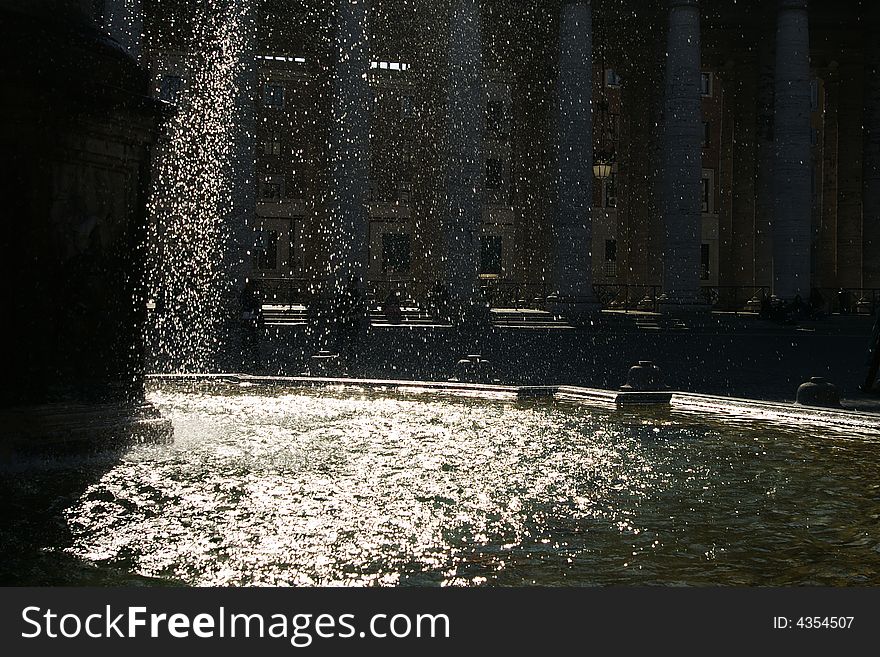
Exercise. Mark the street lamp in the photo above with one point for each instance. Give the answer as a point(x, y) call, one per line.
point(602, 168)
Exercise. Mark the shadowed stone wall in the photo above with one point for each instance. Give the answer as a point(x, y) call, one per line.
point(75, 135)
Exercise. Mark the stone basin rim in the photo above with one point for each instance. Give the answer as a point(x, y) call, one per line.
point(774, 411)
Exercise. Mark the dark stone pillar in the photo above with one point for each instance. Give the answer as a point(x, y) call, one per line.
point(75, 139)
point(238, 218)
point(682, 159)
point(851, 140)
point(574, 296)
point(348, 241)
point(871, 207)
point(825, 274)
point(465, 166)
point(792, 197)
point(764, 150)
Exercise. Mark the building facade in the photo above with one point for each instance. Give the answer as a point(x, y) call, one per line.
point(742, 148)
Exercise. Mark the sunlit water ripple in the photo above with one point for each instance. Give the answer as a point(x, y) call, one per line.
point(352, 488)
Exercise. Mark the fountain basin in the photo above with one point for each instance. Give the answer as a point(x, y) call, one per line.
point(333, 482)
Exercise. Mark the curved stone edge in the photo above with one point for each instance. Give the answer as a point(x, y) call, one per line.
point(555, 392)
point(857, 422)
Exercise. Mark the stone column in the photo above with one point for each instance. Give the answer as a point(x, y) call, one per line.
point(764, 152)
point(348, 241)
point(851, 140)
point(465, 166)
point(682, 159)
point(574, 231)
point(792, 210)
point(871, 162)
point(238, 225)
point(124, 21)
point(825, 274)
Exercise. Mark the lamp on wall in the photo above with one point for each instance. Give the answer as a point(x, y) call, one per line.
point(603, 158)
point(602, 169)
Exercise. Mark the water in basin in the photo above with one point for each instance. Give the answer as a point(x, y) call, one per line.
point(268, 486)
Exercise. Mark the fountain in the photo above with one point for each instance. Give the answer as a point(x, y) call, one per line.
point(203, 199)
point(79, 128)
point(318, 480)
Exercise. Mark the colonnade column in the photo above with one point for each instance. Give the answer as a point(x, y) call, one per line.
point(243, 154)
point(764, 155)
point(791, 192)
point(825, 265)
point(465, 167)
point(348, 239)
point(682, 160)
point(871, 181)
point(574, 267)
point(851, 140)
point(238, 218)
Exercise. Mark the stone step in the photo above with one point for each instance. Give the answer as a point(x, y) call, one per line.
point(527, 319)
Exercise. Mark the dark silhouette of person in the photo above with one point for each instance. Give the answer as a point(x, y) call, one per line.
point(439, 296)
point(352, 313)
point(843, 301)
point(251, 314)
point(798, 309)
point(817, 304)
point(391, 308)
point(766, 311)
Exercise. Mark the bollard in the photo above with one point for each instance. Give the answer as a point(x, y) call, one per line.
point(818, 392)
point(325, 364)
point(644, 377)
point(473, 369)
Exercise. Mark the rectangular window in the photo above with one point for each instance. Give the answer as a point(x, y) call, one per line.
point(494, 174)
point(612, 79)
point(706, 83)
point(272, 188)
point(707, 133)
point(404, 192)
point(609, 186)
point(490, 255)
point(706, 205)
point(814, 94)
point(169, 88)
point(611, 258)
point(704, 262)
point(268, 252)
point(395, 253)
point(273, 96)
point(272, 145)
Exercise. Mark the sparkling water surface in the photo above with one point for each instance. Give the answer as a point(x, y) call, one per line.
point(346, 487)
